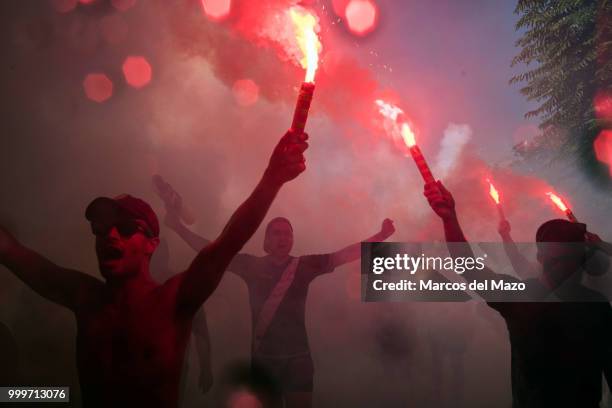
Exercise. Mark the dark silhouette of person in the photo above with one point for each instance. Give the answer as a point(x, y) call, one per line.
point(558, 350)
point(596, 263)
point(279, 341)
point(131, 331)
point(161, 271)
point(9, 358)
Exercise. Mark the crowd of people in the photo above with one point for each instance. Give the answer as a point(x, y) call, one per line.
point(135, 324)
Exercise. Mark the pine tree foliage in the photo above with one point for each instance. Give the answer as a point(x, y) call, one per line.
point(566, 47)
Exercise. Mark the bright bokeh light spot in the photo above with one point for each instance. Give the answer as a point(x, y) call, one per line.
point(114, 29)
point(137, 71)
point(86, 1)
point(246, 92)
point(339, 7)
point(603, 148)
point(603, 105)
point(123, 5)
point(217, 9)
point(361, 16)
point(98, 87)
point(64, 6)
point(243, 399)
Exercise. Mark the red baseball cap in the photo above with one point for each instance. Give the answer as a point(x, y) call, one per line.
point(124, 205)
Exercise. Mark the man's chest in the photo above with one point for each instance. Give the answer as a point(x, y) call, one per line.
point(128, 340)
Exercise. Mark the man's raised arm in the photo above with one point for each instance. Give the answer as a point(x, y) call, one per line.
point(443, 204)
point(519, 263)
point(63, 286)
point(174, 207)
point(353, 252)
point(206, 270)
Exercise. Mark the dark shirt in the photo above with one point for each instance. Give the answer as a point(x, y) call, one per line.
point(286, 334)
point(559, 351)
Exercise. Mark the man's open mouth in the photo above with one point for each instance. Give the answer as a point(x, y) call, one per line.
point(112, 252)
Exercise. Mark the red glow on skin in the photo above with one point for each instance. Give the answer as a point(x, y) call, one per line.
point(137, 71)
point(114, 29)
point(603, 148)
point(64, 6)
point(217, 10)
point(246, 92)
point(603, 105)
point(123, 5)
point(98, 87)
point(361, 16)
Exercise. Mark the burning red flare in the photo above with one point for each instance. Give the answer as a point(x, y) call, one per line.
point(361, 16)
point(495, 196)
point(557, 201)
point(493, 192)
point(393, 113)
point(306, 26)
point(560, 204)
point(408, 135)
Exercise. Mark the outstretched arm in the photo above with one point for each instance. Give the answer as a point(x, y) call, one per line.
point(206, 270)
point(520, 264)
point(60, 285)
point(353, 252)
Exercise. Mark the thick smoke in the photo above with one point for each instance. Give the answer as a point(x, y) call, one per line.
point(60, 150)
point(452, 143)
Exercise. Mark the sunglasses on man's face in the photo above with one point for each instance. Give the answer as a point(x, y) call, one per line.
point(125, 228)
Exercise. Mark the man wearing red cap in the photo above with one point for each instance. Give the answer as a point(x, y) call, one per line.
point(131, 331)
point(559, 350)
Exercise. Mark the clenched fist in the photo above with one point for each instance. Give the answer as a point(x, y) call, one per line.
point(287, 160)
point(440, 200)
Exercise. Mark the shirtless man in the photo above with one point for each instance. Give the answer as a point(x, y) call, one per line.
point(131, 331)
